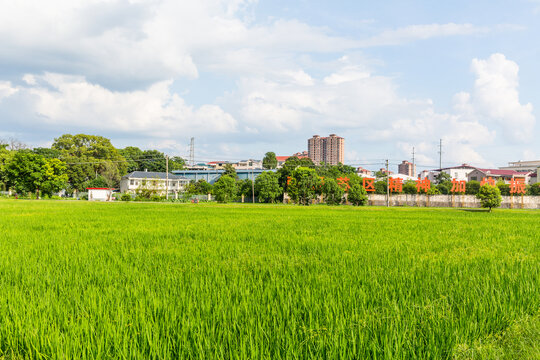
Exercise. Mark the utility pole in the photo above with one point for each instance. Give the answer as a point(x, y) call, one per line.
point(167, 176)
point(387, 185)
point(440, 154)
point(413, 163)
point(252, 186)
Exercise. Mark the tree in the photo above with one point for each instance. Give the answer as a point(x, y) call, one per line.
point(504, 188)
point(267, 187)
point(290, 166)
point(54, 177)
point(433, 191)
point(47, 153)
point(87, 156)
point(444, 186)
point(332, 192)
point(357, 195)
point(490, 196)
point(305, 185)
point(380, 187)
point(245, 187)
point(269, 160)
point(442, 177)
point(229, 170)
point(535, 189)
point(409, 187)
point(132, 155)
point(472, 187)
point(23, 173)
point(97, 182)
point(176, 163)
point(201, 187)
point(225, 189)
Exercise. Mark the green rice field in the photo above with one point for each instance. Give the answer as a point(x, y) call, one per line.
point(82, 280)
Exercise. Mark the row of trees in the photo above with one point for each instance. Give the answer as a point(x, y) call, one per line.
point(74, 162)
point(299, 178)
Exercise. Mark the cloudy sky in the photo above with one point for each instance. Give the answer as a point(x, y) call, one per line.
point(244, 76)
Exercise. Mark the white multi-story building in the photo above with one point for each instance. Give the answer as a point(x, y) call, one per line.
point(153, 181)
point(456, 172)
point(248, 164)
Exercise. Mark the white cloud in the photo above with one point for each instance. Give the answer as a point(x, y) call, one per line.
point(495, 98)
point(422, 32)
point(6, 89)
point(60, 100)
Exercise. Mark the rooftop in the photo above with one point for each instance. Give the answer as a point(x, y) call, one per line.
point(151, 175)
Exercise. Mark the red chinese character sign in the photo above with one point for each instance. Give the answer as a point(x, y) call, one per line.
point(423, 185)
point(517, 186)
point(458, 186)
point(396, 185)
point(368, 184)
point(343, 182)
point(489, 181)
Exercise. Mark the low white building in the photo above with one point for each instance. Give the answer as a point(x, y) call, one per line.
point(459, 173)
point(100, 194)
point(153, 181)
point(248, 164)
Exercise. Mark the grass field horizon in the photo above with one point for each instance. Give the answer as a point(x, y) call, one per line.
point(157, 280)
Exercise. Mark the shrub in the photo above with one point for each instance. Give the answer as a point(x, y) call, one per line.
point(156, 198)
point(332, 192)
point(225, 189)
point(490, 196)
point(433, 191)
point(125, 197)
point(357, 195)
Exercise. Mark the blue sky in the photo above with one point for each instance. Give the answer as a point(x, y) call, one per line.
point(245, 77)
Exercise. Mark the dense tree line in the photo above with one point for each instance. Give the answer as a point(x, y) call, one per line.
point(74, 163)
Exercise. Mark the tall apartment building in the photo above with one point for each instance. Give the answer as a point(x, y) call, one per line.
point(407, 168)
point(329, 149)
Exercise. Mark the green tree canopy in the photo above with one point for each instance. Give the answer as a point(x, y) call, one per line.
point(23, 173)
point(357, 195)
point(305, 185)
point(267, 187)
point(229, 170)
point(87, 156)
point(332, 192)
point(409, 187)
point(54, 177)
point(225, 189)
point(490, 196)
point(472, 187)
point(269, 160)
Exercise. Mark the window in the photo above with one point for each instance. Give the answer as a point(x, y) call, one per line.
point(474, 178)
point(131, 182)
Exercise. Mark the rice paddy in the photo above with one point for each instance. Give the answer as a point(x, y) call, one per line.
point(82, 280)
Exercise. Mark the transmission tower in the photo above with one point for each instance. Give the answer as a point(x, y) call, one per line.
point(192, 152)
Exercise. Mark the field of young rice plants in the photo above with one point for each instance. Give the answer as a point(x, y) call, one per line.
point(82, 280)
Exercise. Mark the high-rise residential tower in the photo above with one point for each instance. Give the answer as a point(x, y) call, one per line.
point(329, 150)
point(407, 168)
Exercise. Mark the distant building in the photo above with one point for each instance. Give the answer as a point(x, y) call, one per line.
point(329, 150)
point(100, 194)
point(498, 175)
point(248, 164)
point(407, 168)
point(216, 165)
point(533, 165)
point(364, 172)
point(211, 176)
point(154, 181)
point(301, 155)
point(456, 172)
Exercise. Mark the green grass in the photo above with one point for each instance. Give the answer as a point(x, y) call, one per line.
point(132, 280)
